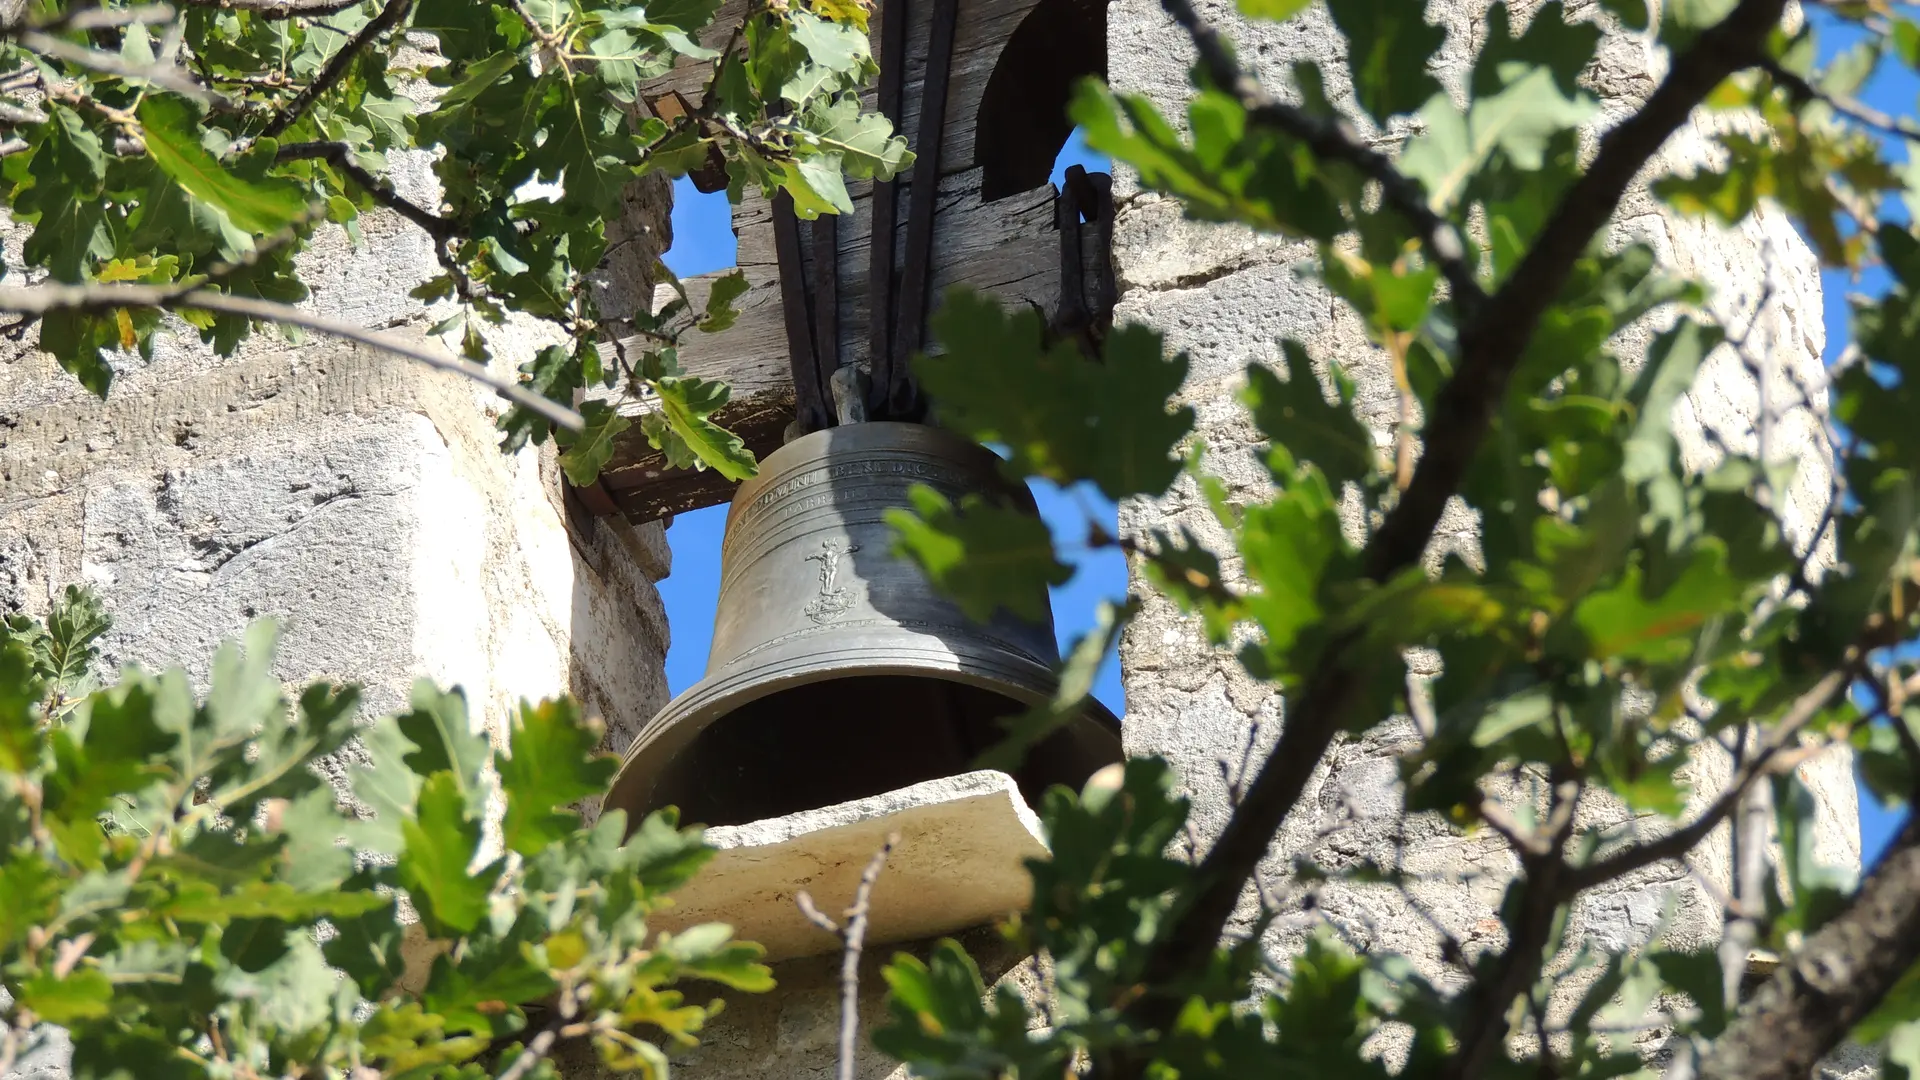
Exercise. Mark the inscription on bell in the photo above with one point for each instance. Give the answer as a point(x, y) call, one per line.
point(833, 599)
point(918, 470)
point(816, 489)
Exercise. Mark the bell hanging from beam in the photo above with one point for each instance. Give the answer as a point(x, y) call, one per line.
point(837, 672)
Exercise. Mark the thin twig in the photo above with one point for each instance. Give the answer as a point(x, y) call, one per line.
point(541, 1044)
point(1524, 841)
point(39, 300)
point(1798, 87)
point(1749, 864)
point(853, 937)
point(279, 9)
point(165, 76)
point(340, 156)
point(1761, 762)
point(1492, 342)
point(547, 40)
point(1512, 973)
point(392, 15)
point(99, 19)
point(1333, 139)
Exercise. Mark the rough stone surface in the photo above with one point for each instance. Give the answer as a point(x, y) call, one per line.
point(1227, 297)
point(356, 496)
point(359, 498)
point(958, 863)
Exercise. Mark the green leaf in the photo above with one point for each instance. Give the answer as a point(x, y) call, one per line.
point(587, 146)
point(314, 859)
point(1061, 415)
point(1902, 1053)
point(244, 694)
point(685, 404)
point(1231, 171)
point(1388, 46)
point(1697, 975)
point(444, 741)
point(385, 785)
point(279, 764)
point(62, 199)
point(1626, 623)
point(1819, 891)
point(1550, 41)
point(1277, 10)
point(1633, 14)
point(1673, 361)
point(835, 46)
point(294, 994)
point(721, 313)
point(665, 856)
point(553, 761)
point(1296, 415)
point(75, 623)
point(865, 142)
point(589, 449)
point(85, 994)
point(984, 555)
point(1290, 545)
point(441, 843)
point(172, 132)
point(1517, 123)
point(21, 689)
point(204, 903)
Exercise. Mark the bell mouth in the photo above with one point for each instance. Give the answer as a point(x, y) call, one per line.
point(753, 744)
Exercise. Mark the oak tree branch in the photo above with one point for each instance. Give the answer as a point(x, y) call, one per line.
point(1333, 139)
point(853, 938)
point(340, 156)
point(40, 300)
point(279, 9)
point(1758, 763)
point(1832, 981)
point(392, 15)
point(1492, 342)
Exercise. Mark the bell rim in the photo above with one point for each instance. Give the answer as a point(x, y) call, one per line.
point(692, 711)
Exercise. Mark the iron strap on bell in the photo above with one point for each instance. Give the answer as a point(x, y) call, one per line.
point(837, 672)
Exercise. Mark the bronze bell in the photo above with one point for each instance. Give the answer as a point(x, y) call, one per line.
point(837, 672)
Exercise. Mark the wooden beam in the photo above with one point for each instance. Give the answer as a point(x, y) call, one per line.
point(1009, 248)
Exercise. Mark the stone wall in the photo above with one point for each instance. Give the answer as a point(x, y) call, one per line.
point(1228, 297)
point(359, 498)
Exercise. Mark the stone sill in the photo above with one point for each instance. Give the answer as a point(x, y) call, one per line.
point(959, 863)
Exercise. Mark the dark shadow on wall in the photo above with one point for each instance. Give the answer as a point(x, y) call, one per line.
point(618, 632)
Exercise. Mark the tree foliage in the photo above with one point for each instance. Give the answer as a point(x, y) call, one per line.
point(185, 892)
point(181, 887)
point(196, 152)
point(1626, 618)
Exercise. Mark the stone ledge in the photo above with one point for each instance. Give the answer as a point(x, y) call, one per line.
point(959, 863)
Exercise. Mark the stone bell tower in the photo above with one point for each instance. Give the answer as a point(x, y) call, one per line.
point(364, 500)
point(1228, 297)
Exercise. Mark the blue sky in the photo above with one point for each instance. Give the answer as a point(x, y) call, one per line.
point(704, 242)
point(1894, 90)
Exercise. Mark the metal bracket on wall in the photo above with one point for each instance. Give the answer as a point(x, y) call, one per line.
point(1084, 214)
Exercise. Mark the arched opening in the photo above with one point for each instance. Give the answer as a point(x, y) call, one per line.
point(1023, 123)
